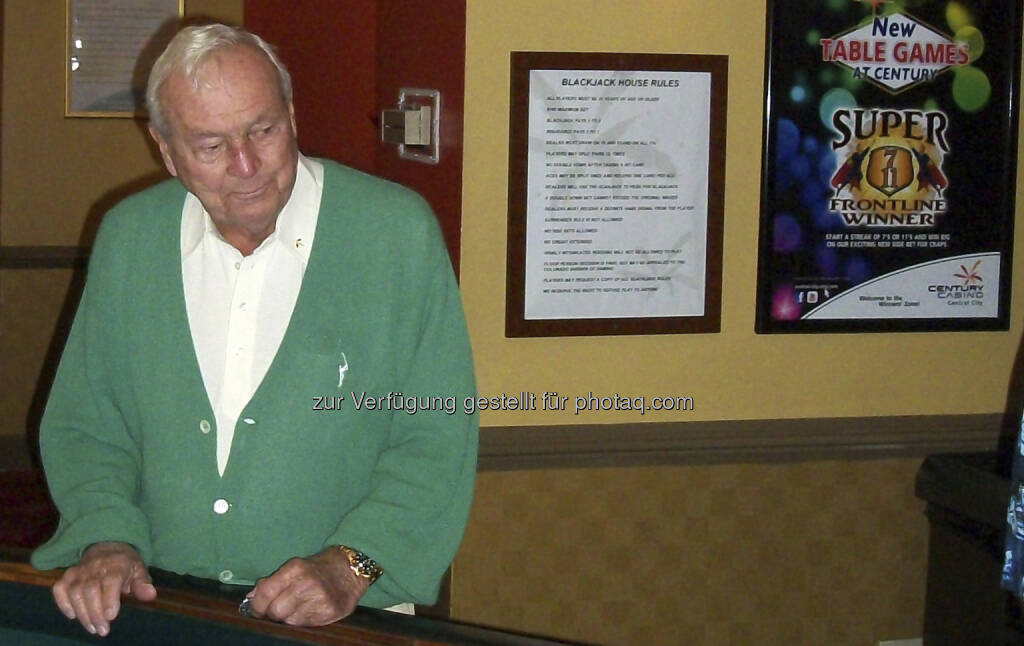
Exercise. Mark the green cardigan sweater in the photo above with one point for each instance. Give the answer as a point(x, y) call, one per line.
point(122, 437)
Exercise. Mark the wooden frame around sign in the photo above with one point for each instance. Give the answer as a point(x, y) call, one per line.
point(522, 63)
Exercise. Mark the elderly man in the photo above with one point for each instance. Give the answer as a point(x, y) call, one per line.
point(181, 431)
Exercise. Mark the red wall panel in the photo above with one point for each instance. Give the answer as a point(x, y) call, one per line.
point(348, 60)
point(423, 44)
point(330, 49)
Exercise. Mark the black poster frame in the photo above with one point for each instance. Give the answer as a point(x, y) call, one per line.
point(980, 167)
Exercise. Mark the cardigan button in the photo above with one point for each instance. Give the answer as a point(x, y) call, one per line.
point(221, 506)
point(204, 426)
point(225, 576)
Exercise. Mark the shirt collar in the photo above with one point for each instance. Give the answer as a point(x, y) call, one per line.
point(296, 223)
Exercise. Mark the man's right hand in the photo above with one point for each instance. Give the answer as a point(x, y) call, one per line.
point(91, 591)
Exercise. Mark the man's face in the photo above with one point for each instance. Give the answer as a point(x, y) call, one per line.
point(231, 142)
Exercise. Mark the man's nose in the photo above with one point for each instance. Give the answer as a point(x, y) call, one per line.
point(244, 160)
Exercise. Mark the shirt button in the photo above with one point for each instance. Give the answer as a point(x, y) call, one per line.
point(243, 306)
point(220, 506)
point(204, 426)
point(238, 265)
point(225, 576)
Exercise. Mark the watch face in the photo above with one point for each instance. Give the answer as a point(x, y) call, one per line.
point(362, 565)
point(368, 568)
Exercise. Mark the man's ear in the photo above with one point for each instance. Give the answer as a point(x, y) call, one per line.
point(164, 150)
point(291, 115)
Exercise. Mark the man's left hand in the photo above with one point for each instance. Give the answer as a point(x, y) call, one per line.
point(312, 591)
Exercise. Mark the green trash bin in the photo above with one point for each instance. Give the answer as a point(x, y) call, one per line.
point(967, 495)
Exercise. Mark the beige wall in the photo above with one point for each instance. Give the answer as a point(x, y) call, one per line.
point(59, 175)
point(741, 555)
point(33, 301)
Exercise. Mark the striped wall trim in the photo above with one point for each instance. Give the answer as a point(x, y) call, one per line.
point(779, 440)
point(505, 448)
point(43, 257)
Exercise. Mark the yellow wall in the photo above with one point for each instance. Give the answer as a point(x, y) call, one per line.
point(656, 555)
point(732, 375)
point(726, 555)
point(618, 555)
point(59, 175)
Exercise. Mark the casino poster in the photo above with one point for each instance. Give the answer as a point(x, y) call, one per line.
point(889, 166)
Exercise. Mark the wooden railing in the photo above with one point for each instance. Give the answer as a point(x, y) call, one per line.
point(28, 606)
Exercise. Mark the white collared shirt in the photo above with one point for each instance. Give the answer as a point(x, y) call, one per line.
point(239, 306)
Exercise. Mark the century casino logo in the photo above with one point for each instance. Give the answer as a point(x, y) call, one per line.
point(970, 292)
point(889, 161)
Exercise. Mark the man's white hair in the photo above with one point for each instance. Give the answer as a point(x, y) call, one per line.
point(190, 48)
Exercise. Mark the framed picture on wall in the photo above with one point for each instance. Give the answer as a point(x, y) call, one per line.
point(889, 166)
point(110, 47)
point(616, 182)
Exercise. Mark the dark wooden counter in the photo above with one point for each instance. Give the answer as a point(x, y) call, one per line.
point(205, 613)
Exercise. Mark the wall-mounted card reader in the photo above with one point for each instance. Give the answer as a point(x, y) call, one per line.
point(410, 126)
point(414, 124)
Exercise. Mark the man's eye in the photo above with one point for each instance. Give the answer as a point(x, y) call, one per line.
point(211, 148)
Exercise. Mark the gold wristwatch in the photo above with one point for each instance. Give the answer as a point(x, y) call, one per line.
point(362, 565)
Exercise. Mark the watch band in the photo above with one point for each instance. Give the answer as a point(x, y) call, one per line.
point(362, 565)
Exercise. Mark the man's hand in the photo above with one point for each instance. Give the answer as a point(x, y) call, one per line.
point(91, 591)
point(312, 591)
